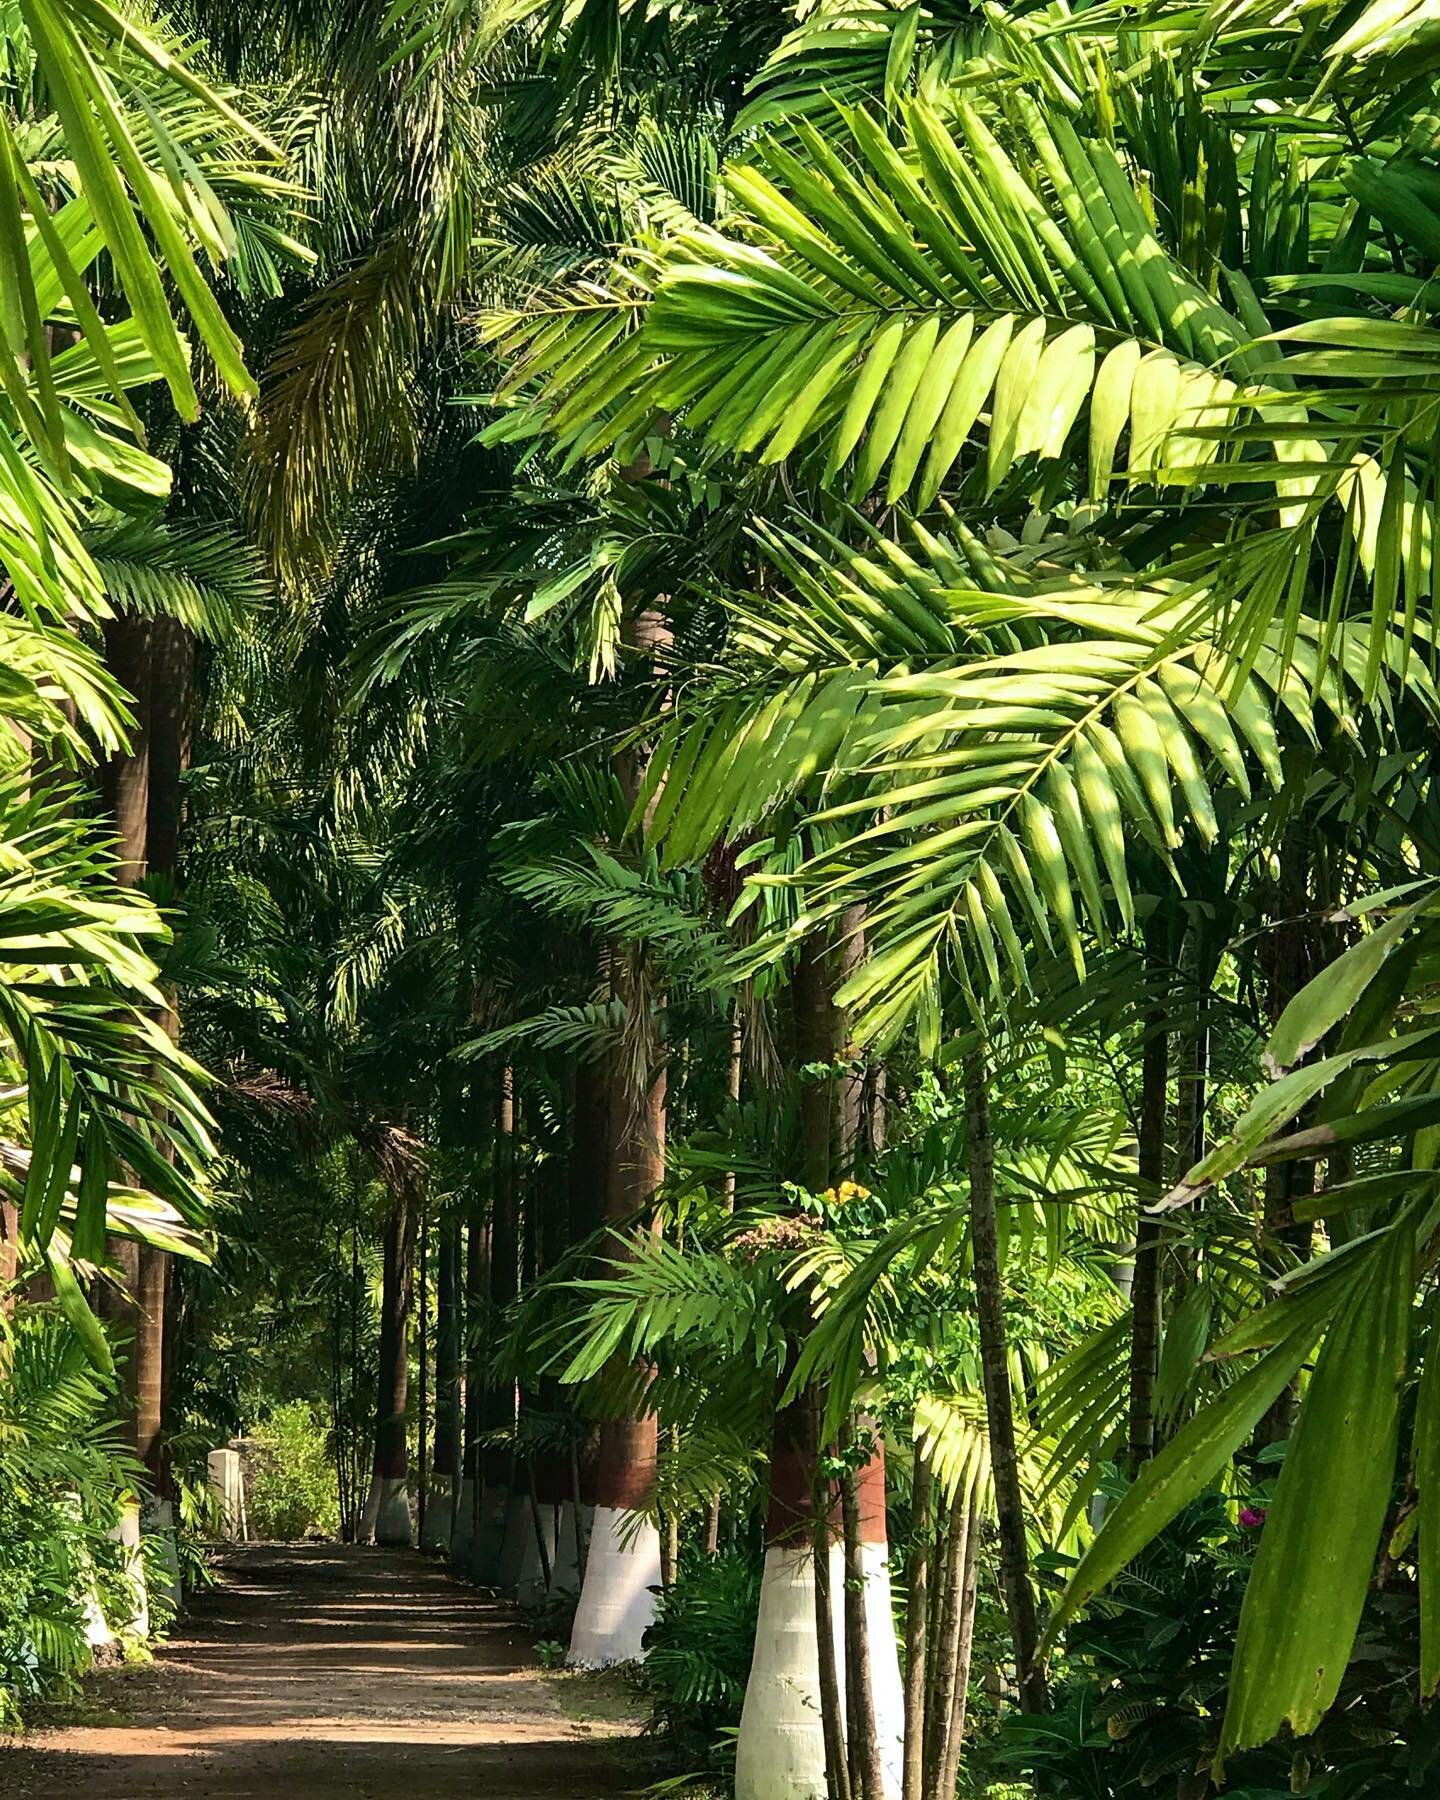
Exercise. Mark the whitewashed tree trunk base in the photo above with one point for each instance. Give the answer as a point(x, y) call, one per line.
point(157, 1519)
point(489, 1539)
point(439, 1517)
point(127, 1534)
point(886, 1683)
point(98, 1634)
point(780, 1754)
point(518, 1540)
point(565, 1569)
point(386, 1519)
point(617, 1600)
point(530, 1587)
point(462, 1530)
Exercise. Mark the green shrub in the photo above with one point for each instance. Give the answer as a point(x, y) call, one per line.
point(61, 1481)
point(698, 1658)
point(1148, 1671)
point(293, 1492)
point(42, 1621)
point(199, 1522)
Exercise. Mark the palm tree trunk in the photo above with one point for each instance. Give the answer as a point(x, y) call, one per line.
point(587, 1170)
point(617, 1600)
point(170, 655)
point(867, 1780)
point(831, 1693)
point(960, 1687)
point(152, 1273)
point(439, 1518)
point(995, 1363)
point(171, 678)
point(387, 1512)
point(477, 1294)
point(1193, 1102)
point(917, 1605)
point(126, 787)
point(734, 1074)
point(830, 1109)
point(9, 1248)
point(422, 1343)
point(871, 1694)
point(792, 1726)
point(947, 1642)
point(125, 779)
point(1146, 1284)
point(497, 1413)
point(934, 1627)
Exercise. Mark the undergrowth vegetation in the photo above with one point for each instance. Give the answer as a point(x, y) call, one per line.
point(64, 1478)
point(292, 1490)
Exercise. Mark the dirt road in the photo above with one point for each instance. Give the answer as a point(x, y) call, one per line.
point(321, 1672)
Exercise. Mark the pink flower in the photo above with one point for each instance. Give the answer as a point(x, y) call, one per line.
point(1251, 1518)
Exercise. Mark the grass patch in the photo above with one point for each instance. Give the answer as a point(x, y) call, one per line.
point(600, 1696)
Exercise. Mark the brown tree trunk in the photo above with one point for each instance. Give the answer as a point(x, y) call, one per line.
point(125, 779)
point(1147, 1286)
point(917, 1606)
point(391, 1467)
point(946, 1653)
point(734, 1072)
point(477, 1293)
point(1192, 1101)
point(628, 1451)
point(423, 1470)
point(9, 1254)
point(447, 1355)
point(830, 1106)
point(496, 1471)
point(734, 1075)
point(960, 1686)
point(506, 1249)
point(589, 1172)
point(172, 668)
point(995, 1364)
point(862, 1501)
point(170, 657)
point(148, 1355)
point(126, 787)
point(801, 1508)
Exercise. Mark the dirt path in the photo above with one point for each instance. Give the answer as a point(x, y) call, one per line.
point(318, 1672)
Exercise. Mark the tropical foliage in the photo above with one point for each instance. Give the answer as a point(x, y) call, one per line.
point(721, 725)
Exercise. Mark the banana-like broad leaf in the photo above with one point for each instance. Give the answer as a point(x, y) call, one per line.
point(1427, 1487)
point(72, 1302)
point(1322, 1003)
point(1303, 1600)
point(1182, 1471)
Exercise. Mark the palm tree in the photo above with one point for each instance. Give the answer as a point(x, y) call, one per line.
point(68, 423)
point(1007, 730)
